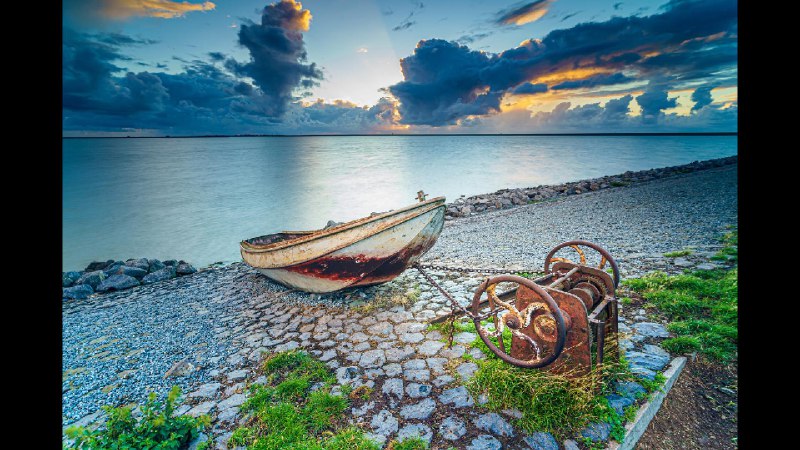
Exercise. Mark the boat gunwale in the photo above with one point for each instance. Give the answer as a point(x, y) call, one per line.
point(428, 205)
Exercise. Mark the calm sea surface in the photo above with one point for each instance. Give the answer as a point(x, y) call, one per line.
point(195, 199)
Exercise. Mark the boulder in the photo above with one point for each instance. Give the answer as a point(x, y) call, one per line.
point(78, 291)
point(134, 272)
point(69, 278)
point(155, 265)
point(159, 275)
point(141, 263)
point(184, 268)
point(112, 268)
point(117, 283)
point(91, 278)
point(98, 265)
point(171, 262)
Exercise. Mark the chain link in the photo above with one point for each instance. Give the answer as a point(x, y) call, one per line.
point(472, 269)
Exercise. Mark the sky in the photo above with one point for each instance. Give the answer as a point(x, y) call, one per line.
point(180, 68)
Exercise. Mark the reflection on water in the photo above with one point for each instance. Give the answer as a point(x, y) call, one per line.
point(195, 199)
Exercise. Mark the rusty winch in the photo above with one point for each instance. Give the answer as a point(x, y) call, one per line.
point(564, 322)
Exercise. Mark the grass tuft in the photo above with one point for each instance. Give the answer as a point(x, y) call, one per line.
point(285, 413)
point(685, 252)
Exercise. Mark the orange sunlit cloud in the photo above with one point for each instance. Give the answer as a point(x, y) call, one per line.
point(526, 14)
point(164, 9)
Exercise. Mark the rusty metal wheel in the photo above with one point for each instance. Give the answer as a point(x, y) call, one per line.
point(505, 315)
point(576, 245)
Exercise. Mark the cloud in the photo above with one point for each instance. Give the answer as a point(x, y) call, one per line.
point(597, 80)
point(407, 22)
point(277, 55)
point(530, 88)
point(568, 16)
point(362, 50)
point(92, 10)
point(470, 38)
point(445, 82)
point(701, 97)
point(653, 101)
point(520, 15)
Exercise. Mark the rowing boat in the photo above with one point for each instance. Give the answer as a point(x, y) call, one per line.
point(364, 252)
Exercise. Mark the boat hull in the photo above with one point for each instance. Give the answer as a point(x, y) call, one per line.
point(378, 257)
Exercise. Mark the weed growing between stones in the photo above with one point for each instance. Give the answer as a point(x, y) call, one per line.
point(702, 306)
point(295, 409)
point(685, 252)
point(553, 403)
point(412, 443)
point(157, 429)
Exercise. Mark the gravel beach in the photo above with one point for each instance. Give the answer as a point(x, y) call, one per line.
point(206, 331)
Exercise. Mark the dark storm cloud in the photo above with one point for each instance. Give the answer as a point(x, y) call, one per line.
point(216, 56)
point(597, 80)
point(653, 101)
point(522, 14)
point(530, 88)
point(277, 55)
point(702, 97)
point(445, 82)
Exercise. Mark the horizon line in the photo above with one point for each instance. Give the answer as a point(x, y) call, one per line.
point(701, 133)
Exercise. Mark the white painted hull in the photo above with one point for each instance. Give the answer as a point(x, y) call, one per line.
point(367, 251)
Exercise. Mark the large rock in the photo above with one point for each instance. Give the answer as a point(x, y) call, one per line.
point(171, 262)
point(112, 268)
point(155, 265)
point(134, 272)
point(117, 283)
point(184, 268)
point(69, 278)
point(619, 403)
point(141, 263)
point(77, 291)
point(91, 278)
point(98, 265)
point(159, 275)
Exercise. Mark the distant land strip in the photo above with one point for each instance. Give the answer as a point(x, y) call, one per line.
point(720, 133)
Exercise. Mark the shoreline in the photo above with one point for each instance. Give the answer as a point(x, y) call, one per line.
point(511, 197)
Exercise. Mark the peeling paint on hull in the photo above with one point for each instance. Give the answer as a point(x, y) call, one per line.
point(398, 239)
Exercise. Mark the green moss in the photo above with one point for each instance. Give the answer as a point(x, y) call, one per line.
point(678, 253)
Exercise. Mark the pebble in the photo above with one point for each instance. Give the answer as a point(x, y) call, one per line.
point(452, 428)
point(541, 441)
point(598, 431)
point(651, 329)
point(416, 390)
point(458, 396)
point(393, 386)
point(495, 424)
point(485, 442)
point(415, 430)
point(420, 410)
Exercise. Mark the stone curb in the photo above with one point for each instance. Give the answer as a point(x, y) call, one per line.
point(635, 429)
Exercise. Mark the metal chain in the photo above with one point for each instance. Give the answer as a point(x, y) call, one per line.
point(472, 269)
